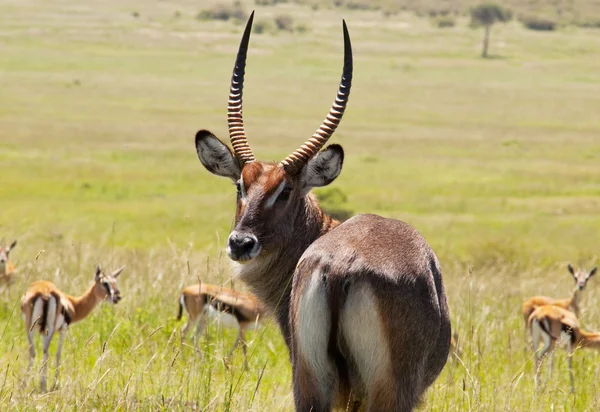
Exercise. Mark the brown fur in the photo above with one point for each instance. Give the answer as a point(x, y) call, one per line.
point(68, 310)
point(305, 267)
point(580, 276)
point(553, 322)
point(245, 307)
point(388, 256)
point(396, 263)
point(7, 269)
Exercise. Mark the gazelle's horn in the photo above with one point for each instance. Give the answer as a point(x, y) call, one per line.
point(235, 120)
point(294, 162)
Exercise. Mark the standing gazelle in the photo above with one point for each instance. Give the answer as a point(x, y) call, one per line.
point(7, 268)
point(203, 300)
point(48, 310)
point(361, 304)
point(580, 276)
point(551, 324)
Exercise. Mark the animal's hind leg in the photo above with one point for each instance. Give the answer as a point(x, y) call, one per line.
point(61, 339)
point(30, 334)
point(365, 336)
point(314, 374)
point(47, 340)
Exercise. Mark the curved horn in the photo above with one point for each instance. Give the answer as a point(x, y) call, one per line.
point(294, 162)
point(234, 106)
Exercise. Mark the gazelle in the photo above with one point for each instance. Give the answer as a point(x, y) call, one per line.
point(361, 304)
point(580, 276)
point(551, 324)
point(48, 310)
point(204, 300)
point(7, 268)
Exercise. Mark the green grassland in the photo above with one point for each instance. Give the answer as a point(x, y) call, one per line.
point(496, 161)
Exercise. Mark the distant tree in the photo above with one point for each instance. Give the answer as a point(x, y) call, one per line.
point(486, 15)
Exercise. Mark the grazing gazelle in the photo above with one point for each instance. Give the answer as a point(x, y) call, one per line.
point(7, 268)
point(203, 300)
point(48, 310)
point(361, 304)
point(580, 276)
point(552, 323)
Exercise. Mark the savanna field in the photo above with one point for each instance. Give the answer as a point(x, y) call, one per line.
point(496, 161)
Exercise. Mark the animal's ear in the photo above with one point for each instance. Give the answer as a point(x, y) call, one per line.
point(98, 272)
point(12, 245)
point(323, 168)
point(570, 268)
point(593, 271)
point(117, 272)
point(216, 157)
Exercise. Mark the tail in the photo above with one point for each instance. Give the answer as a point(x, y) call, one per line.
point(44, 316)
point(181, 303)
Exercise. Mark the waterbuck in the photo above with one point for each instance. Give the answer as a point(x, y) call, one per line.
point(361, 304)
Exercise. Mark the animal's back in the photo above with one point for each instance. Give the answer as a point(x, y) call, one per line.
point(249, 311)
point(379, 274)
point(36, 303)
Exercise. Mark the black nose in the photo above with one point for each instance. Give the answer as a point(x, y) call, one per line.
point(241, 244)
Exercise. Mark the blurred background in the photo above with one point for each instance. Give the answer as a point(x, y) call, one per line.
point(477, 124)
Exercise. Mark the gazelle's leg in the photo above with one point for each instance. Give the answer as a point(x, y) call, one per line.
point(238, 338)
point(550, 364)
point(186, 329)
point(536, 334)
point(244, 344)
point(61, 339)
point(47, 340)
point(200, 326)
point(30, 334)
point(570, 363)
point(50, 325)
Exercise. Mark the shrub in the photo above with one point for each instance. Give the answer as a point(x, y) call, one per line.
point(263, 26)
point(224, 12)
point(444, 21)
point(589, 23)
point(269, 2)
point(356, 4)
point(284, 22)
point(439, 13)
point(302, 28)
point(538, 23)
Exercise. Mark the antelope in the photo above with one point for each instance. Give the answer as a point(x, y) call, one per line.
point(7, 268)
point(204, 299)
point(47, 310)
point(361, 304)
point(580, 276)
point(552, 324)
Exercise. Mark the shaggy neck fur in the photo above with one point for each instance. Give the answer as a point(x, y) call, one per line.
point(269, 275)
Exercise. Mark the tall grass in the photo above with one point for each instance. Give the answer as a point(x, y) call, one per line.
point(495, 162)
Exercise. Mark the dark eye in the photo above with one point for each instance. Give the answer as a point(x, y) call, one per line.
point(285, 194)
point(107, 287)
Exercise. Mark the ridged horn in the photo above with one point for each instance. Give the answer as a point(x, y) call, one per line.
point(294, 162)
point(235, 120)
